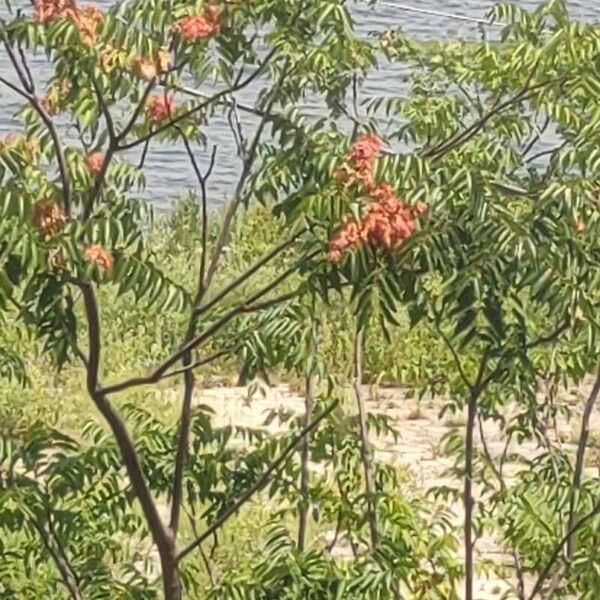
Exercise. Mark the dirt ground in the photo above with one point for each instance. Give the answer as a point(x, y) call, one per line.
point(417, 448)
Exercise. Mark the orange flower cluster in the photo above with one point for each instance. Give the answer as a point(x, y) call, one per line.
point(387, 221)
point(49, 218)
point(86, 19)
point(148, 69)
point(44, 10)
point(198, 27)
point(99, 256)
point(160, 107)
point(94, 162)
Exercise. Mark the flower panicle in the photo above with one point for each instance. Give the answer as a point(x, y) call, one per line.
point(388, 220)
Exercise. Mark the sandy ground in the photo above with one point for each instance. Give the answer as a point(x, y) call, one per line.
point(417, 448)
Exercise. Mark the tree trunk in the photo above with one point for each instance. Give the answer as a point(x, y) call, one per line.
point(364, 437)
point(468, 495)
point(170, 576)
point(304, 456)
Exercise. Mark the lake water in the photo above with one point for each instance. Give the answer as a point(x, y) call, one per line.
point(168, 171)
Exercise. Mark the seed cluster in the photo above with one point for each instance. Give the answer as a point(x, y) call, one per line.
point(388, 220)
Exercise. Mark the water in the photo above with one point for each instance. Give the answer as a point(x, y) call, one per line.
point(168, 172)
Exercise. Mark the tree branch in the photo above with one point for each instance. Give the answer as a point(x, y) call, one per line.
point(558, 549)
point(188, 113)
point(276, 251)
point(237, 197)
point(188, 374)
point(262, 481)
point(363, 431)
point(579, 462)
point(466, 134)
point(119, 429)
point(62, 168)
point(242, 307)
point(65, 574)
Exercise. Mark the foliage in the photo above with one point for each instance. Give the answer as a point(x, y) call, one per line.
point(469, 242)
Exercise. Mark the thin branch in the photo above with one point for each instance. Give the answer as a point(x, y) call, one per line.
point(364, 437)
point(65, 574)
point(242, 307)
point(558, 549)
point(457, 361)
point(188, 113)
point(309, 393)
point(579, 462)
point(202, 180)
point(488, 454)
point(551, 337)
point(26, 82)
point(223, 101)
point(237, 196)
point(520, 576)
point(260, 483)
point(57, 542)
point(276, 251)
point(136, 113)
point(535, 138)
point(191, 515)
point(30, 83)
point(99, 180)
point(236, 128)
point(200, 363)
point(468, 493)
point(466, 134)
point(62, 168)
point(144, 154)
point(545, 152)
point(110, 127)
point(188, 375)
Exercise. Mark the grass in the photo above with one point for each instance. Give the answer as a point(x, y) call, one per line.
point(135, 338)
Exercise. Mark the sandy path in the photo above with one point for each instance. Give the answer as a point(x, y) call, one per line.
point(417, 449)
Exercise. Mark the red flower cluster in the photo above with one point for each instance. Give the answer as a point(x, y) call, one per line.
point(388, 221)
point(49, 218)
point(86, 19)
point(94, 162)
point(99, 256)
point(44, 10)
point(160, 107)
point(198, 27)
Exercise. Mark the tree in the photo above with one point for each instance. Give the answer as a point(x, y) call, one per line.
point(479, 233)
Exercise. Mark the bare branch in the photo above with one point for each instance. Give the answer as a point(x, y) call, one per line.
point(457, 361)
point(276, 251)
point(579, 462)
point(110, 127)
point(364, 438)
point(22, 72)
point(237, 197)
point(188, 374)
point(136, 113)
point(466, 134)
